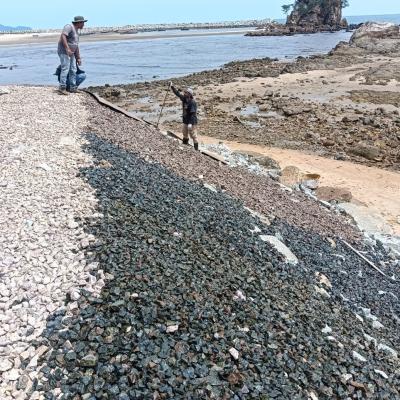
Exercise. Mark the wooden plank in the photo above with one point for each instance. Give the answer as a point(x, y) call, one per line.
point(104, 102)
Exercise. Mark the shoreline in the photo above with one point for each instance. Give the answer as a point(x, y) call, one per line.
point(334, 108)
point(52, 38)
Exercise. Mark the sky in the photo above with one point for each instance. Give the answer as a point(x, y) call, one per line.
point(54, 14)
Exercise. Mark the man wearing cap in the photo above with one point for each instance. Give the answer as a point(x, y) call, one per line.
point(68, 51)
point(189, 116)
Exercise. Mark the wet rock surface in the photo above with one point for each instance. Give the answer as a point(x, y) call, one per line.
point(179, 296)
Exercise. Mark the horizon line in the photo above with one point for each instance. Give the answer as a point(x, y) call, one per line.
point(198, 22)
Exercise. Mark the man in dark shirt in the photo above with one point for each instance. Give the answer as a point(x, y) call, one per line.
point(68, 51)
point(189, 115)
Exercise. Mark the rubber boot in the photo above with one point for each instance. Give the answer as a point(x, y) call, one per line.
point(185, 141)
point(196, 146)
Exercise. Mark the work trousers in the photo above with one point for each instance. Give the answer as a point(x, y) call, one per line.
point(68, 70)
point(190, 131)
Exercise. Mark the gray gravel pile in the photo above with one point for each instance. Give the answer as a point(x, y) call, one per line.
point(127, 273)
point(260, 193)
point(41, 236)
point(197, 305)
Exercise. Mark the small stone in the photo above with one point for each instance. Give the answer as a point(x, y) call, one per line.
point(381, 373)
point(370, 339)
point(74, 295)
point(322, 292)
point(313, 396)
point(386, 349)
point(45, 167)
point(72, 225)
point(89, 361)
point(172, 328)
point(347, 377)
point(323, 280)
point(11, 375)
point(377, 325)
point(23, 382)
point(234, 353)
point(210, 187)
point(239, 295)
point(60, 359)
point(34, 362)
point(327, 330)
point(359, 357)
point(70, 356)
point(5, 365)
point(85, 243)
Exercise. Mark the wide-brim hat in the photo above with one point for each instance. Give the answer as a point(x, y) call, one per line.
point(78, 19)
point(190, 91)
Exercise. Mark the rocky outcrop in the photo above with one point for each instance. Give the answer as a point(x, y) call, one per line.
point(377, 38)
point(308, 16)
point(317, 13)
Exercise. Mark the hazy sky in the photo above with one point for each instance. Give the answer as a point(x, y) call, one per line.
point(51, 13)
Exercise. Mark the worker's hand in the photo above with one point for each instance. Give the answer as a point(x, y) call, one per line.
point(70, 52)
point(190, 126)
point(79, 61)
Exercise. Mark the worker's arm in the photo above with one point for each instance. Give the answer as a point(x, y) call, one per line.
point(177, 92)
point(65, 44)
point(78, 56)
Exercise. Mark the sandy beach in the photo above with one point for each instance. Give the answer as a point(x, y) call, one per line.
point(45, 38)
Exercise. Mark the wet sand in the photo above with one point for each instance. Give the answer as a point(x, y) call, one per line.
point(374, 188)
point(45, 38)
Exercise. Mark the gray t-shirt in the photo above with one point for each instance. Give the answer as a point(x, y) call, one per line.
point(72, 39)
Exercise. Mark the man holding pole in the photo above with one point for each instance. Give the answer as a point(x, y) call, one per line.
point(68, 51)
point(189, 115)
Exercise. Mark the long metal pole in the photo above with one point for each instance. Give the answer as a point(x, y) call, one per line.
point(162, 108)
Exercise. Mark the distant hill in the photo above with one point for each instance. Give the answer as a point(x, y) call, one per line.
point(4, 28)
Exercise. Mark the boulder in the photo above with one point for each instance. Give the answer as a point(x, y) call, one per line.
point(295, 110)
point(375, 30)
point(266, 162)
point(366, 151)
point(327, 193)
point(291, 176)
point(280, 247)
point(382, 38)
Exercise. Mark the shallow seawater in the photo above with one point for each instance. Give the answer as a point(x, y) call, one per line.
point(117, 62)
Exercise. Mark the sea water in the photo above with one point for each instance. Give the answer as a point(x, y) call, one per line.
point(129, 61)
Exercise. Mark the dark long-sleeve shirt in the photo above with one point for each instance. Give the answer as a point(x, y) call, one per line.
point(189, 108)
